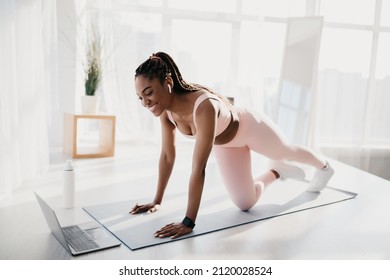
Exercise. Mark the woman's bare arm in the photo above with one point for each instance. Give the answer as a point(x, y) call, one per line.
point(206, 116)
point(166, 162)
point(167, 156)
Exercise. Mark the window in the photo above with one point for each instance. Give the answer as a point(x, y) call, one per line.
point(217, 6)
point(275, 8)
point(236, 47)
point(250, 64)
point(273, 36)
point(201, 58)
point(348, 11)
point(385, 12)
point(379, 132)
point(346, 51)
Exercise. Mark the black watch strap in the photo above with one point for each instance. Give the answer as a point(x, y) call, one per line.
point(188, 222)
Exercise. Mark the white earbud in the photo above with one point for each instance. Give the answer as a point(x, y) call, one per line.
point(169, 88)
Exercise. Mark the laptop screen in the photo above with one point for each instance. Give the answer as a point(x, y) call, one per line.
point(52, 222)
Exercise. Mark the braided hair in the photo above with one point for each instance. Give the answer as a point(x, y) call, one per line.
point(160, 65)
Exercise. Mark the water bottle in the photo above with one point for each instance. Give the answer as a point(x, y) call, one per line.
point(68, 191)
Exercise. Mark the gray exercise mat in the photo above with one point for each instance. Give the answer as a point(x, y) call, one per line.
point(217, 212)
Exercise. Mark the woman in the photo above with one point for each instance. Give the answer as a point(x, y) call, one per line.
point(199, 113)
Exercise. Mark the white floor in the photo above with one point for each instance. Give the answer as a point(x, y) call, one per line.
point(354, 229)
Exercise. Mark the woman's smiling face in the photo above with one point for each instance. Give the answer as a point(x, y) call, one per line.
point(152, 94)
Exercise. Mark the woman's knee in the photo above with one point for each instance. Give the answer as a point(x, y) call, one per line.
point(246, 202)
point(244, 206)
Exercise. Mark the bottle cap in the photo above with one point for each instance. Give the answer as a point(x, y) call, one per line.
point(68, 165)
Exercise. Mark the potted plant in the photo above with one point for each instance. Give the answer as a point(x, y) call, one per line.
point(93, 72)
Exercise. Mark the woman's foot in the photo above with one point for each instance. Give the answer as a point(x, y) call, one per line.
point(286, 170)
point(321, 178)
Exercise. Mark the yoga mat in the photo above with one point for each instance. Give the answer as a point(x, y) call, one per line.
point(217, 212)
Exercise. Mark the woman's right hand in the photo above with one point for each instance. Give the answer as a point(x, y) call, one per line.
point(141, 208)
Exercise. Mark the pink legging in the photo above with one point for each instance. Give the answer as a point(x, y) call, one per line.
point(259, 134)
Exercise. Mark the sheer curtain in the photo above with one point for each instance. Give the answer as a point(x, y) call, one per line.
point(353, 86)
point(28, 86)
point(120, 58)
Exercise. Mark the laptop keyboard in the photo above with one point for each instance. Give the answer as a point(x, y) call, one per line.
point(79, 239)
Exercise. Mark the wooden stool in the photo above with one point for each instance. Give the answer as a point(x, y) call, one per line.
point(106, 136)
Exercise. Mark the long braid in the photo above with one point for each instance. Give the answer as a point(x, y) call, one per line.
point(161, 65)
point(179, 84)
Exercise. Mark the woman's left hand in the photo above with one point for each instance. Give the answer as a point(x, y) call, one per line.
point(174, 230)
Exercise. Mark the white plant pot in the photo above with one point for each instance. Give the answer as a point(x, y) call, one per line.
point(89, 104)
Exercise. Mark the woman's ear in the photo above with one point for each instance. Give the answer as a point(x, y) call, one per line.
point(169, 82)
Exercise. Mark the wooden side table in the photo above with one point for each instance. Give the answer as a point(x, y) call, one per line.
point(106, 136)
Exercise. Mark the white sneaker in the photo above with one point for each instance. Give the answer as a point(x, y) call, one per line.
point(320, 179)
point(286, 170)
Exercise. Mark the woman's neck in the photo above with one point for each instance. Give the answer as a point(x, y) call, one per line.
point(183, 104)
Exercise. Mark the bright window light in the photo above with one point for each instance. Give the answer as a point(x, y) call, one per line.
point(383, 59)
point(206, 53)
point(385, 18)
point(141, 22)
point(381, 111)
point(150, 3)
point(380, 130)
point(218, 6)
point(348, 11)
point(346, 50)
point(251, 54)
point(274, 8)
point(272, 47)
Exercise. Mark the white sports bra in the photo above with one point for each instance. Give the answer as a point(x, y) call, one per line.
point(224, 114)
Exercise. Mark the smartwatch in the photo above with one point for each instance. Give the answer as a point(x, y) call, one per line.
point(188, 222)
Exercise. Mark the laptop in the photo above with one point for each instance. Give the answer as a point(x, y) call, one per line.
point(78, 239)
